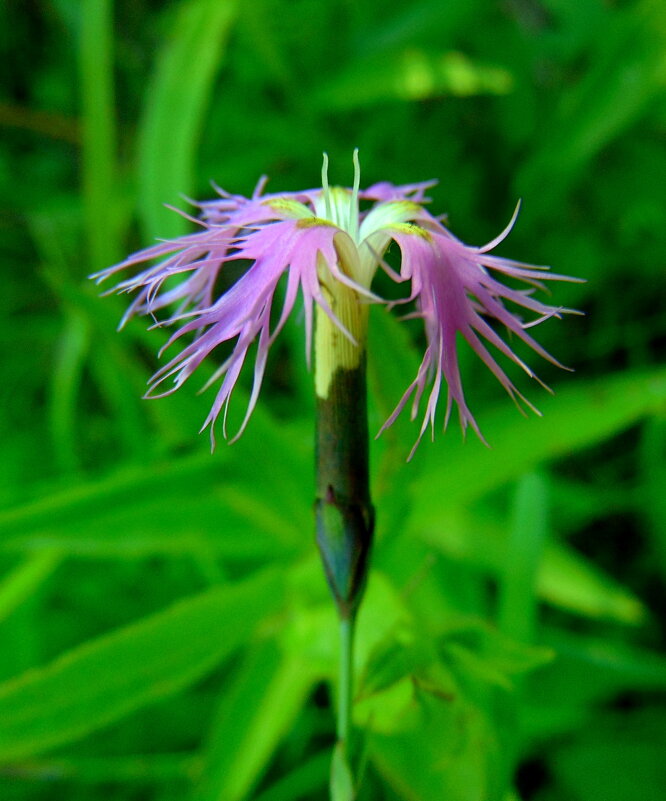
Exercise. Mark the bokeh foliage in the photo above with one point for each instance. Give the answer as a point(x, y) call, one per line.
point(166, 630)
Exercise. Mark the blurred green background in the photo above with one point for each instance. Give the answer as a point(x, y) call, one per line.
point(165, 629)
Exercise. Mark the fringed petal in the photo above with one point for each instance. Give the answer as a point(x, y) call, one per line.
point(455, 294)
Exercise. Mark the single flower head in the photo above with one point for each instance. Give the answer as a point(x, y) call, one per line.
point(323, 245)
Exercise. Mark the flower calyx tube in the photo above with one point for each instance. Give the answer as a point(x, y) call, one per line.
point(344, 512)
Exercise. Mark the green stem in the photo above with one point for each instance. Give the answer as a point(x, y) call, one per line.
point(345, 689)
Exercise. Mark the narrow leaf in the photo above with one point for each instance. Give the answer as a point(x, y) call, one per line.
point(577, 417)
point(99, 167)
point(518, 594)
point(22, 582)
point(177, 102)
point(258, 709)
point(110, 677)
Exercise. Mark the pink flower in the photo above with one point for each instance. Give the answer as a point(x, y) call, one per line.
point(319, 236)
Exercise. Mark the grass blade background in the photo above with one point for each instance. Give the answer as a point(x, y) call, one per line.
point(175, 110)
point(529, 530)
point(99, 135)
point(575, 418)
point(25, 579)
point(103, 680)
point(269, 690)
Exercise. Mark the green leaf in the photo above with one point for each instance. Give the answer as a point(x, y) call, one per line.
point(396, 656)
point(121, 380)
point(112, 676)
point(626, 75)
point(72, 350)
point(448, 750)
point(125, 514)
point(587, 673)
point(529, 529)
point(568, 580)
point(384, 612)
point(179, 416)
point(492, 655)
point(565, 578)
point(99, 158)
point(258, 709)
point(177, 101)
point(387, 379)
point(24, 580)
point(577, 417)
point(307, 780)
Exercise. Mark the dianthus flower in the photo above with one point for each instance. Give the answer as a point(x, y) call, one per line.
point(329, 250)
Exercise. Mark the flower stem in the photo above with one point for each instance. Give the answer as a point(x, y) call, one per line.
point(346, 677)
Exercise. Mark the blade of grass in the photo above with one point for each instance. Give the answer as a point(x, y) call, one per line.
point(256, 712)
point(66, 375)
point(175, 107)
point(111, 676)
point(99, 135)
point(24, 580)
point(307, 780)
point(577, 417)
point(529, 528)
point(124, 514)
